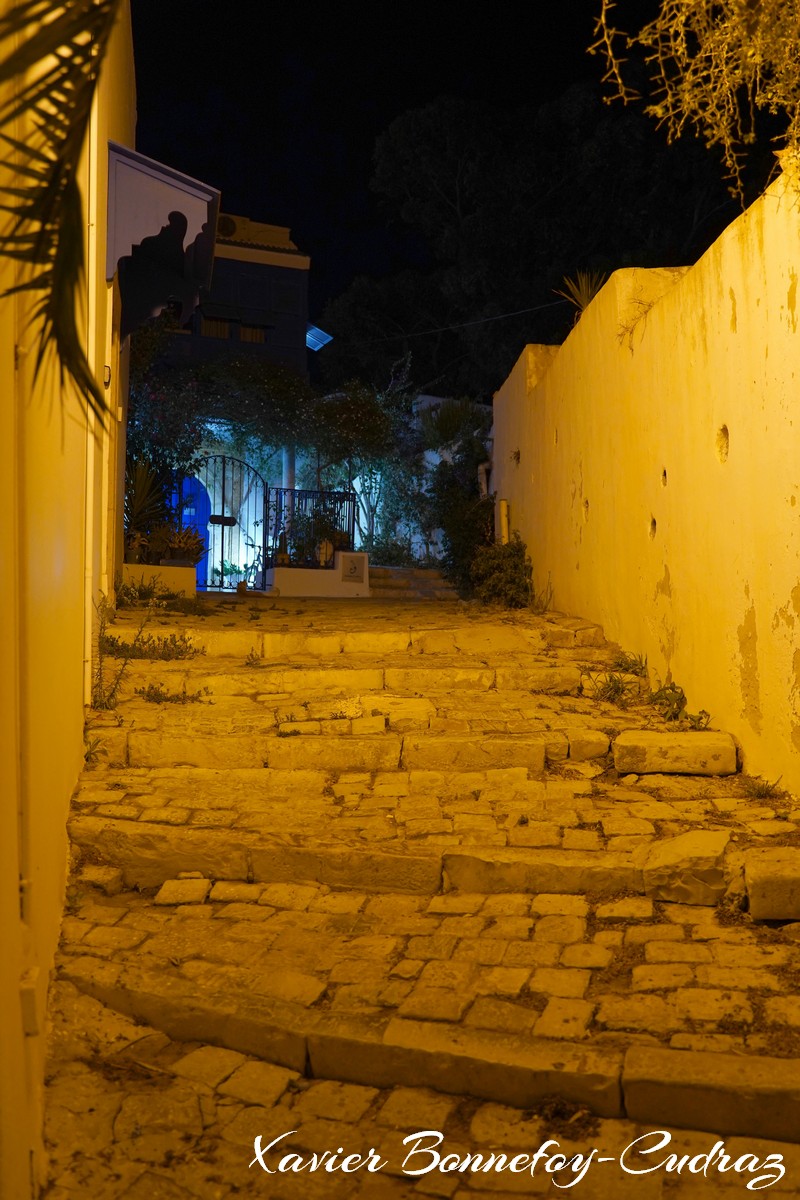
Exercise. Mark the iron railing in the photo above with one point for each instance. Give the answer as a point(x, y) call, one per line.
point(306, 528)
point(247, 527)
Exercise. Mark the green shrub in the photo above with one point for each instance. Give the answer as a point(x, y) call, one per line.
point(502, 574)
point(390, 552)
point(465, 518)
point(145, 645)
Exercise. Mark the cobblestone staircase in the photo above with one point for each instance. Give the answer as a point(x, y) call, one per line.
point(407, 846)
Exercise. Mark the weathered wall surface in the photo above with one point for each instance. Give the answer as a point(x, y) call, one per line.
point(658, 474)
point(56, 472)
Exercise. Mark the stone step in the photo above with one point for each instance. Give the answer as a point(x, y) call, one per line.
point(396, 716)
point(486, 830)
point(420, 583)
point(406, 860)
point(147, 858)
point(147, 855)
point(214, 637)
point(454, 711)
point(190, 747)
point(384, 731)
point(401, 674)
point(645, 752)
point(192, 1105)
point(402, 989)
point(260, 737)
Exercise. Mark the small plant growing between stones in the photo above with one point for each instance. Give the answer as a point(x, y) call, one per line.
point(131, 594)
point(542, 601)
point(146, 645)
point(670, 700)
point(613, 688)
point(105, 689)
point(155, 693)
point(630, 664)
point(155, 595)
point(189, 606)
point(760, 789)
point(94, 751)
point(566, 1118)
point(253, 659)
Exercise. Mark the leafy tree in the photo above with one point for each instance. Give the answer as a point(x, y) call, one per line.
point(176, 408)
point(367, 435)
point(509, 204)
point(165, 427)
point(377, 321)
point(257, 398)
point(716, 66)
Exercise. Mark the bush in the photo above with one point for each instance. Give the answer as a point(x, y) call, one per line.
point(390, 552)
point(465, 518)
point(502, 574)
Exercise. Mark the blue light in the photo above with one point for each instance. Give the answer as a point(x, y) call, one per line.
point(317, 338)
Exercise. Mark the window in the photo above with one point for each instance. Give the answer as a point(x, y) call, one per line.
point(210, 327)
point(252, 333)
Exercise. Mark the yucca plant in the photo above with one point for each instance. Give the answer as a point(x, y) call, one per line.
point(581, 290)
point(50, 76)
point(146, 498)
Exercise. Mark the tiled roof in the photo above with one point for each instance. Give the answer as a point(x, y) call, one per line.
point(254, 235)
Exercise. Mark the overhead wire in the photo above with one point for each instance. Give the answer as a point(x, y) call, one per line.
point(396, 337)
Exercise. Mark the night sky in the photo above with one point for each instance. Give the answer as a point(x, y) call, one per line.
point(279, 103)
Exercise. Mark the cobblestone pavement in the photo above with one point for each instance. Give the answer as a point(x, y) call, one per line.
point(394, 870)
point(134, 1115)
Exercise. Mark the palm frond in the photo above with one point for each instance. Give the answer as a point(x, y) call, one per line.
point(54, 70)
point(581, 290)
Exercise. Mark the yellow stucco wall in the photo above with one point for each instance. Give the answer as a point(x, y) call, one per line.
point(56, 552)
point(658, 481)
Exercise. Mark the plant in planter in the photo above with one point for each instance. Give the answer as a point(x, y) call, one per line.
point(146, 502)
point(136, 544)
point(186, 546)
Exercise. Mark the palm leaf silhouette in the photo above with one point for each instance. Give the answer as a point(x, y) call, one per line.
point(581, 289)
point(55, 70)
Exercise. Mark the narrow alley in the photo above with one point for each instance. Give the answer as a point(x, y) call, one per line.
point(351, 871)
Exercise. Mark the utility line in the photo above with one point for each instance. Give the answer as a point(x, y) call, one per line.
point(397, 337)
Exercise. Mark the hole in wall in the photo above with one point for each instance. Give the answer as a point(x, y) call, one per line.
point(652, 528)
point(664, 477)
point(723, 443)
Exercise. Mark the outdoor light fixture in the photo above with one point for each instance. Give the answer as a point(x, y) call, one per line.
point(317, 338)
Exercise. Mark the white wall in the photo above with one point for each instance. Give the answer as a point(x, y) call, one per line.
point(58, 487)
point(658, 475)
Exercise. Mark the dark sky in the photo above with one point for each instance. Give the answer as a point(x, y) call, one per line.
point(278, 103)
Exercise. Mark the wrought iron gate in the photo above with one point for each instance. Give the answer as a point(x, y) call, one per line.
point(225, 500)
point(248, 527)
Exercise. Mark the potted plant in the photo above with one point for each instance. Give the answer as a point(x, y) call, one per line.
point(135, 546)
point(186, 547)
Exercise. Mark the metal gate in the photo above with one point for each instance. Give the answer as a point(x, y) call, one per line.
point(225, 500)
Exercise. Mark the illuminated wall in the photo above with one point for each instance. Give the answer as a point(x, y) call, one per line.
point(59, 482)
point(652, 465)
